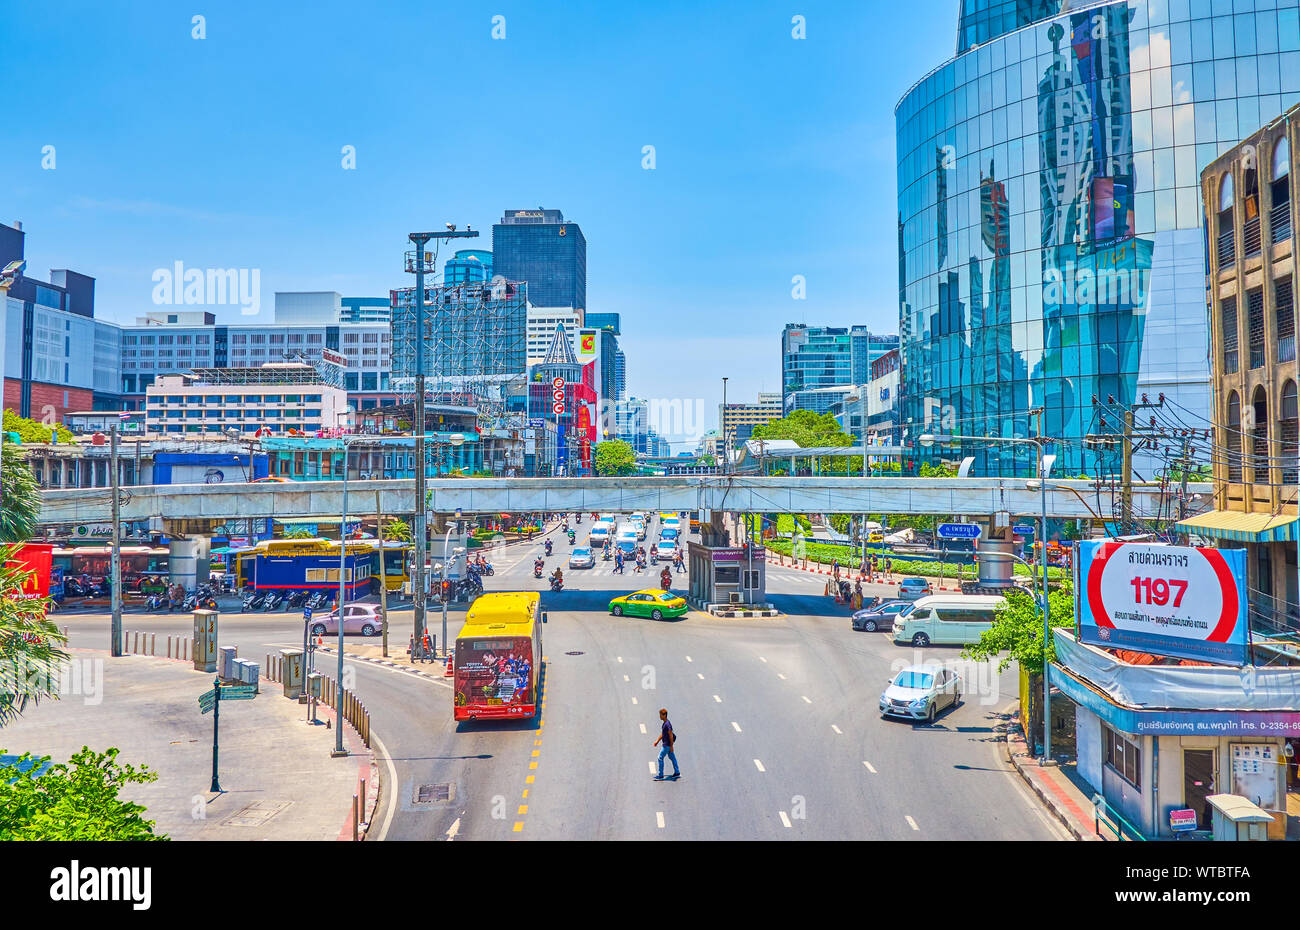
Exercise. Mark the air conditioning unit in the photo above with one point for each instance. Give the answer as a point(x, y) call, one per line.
point(736, 597)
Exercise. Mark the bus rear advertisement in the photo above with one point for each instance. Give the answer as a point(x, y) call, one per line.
point(498, 658)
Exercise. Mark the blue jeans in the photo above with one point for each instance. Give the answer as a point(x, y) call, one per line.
point(664, 750)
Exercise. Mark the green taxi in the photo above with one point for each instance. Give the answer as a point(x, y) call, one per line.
point(655, 604)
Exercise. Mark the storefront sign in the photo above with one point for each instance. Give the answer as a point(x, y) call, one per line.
point(1182, 821)
point(1166, 600)
point(737, 555)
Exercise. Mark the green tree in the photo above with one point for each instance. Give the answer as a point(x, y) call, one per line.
point(20, 497)
point(841, 522)
point(615, 458)
point(299, 532)
point(396, 530)
point(706, 460)
point(921, 522)
point(1017, 636)
point(31, 430)
point(76, 800)
point(29, 641)
point(806, 428)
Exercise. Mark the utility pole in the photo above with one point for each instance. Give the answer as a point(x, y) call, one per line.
point(722, 428)
point(415, 263)
point(1126, 471)
point(115, 573)
point(383, 569)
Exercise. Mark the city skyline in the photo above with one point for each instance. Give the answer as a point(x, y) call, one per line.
point(764, 191)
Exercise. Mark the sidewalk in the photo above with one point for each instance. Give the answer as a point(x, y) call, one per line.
point(1063, 797)
point(277, 777)
point(947, 583)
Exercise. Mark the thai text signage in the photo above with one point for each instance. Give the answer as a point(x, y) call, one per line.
point(1174, 601)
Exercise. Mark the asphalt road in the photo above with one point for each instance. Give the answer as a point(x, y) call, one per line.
point(779, 733)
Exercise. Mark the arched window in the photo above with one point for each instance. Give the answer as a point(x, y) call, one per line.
point(1279, 216)
point(1259, 437)
point(1227, 245)
point(1251, 243)
point(1289, 432)
point(1233, 438)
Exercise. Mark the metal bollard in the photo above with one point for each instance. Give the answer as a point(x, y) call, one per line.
point(153, 644)
point(355, 818)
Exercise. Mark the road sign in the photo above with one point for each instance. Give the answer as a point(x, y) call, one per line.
point(1023, 529)
point(536, 423)
point(958, 530)
point(206, 701)
point(306, 613)
point(238, 692)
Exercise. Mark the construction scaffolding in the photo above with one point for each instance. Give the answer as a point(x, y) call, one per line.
point(474, 344)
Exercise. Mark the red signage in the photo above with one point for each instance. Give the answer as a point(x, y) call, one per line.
point(37, 558)
point(557, 382)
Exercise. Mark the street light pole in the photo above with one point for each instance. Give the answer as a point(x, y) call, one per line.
point(115, 571)
point(722, 428)
point(929, 439)
point(343, 557)
point(419, 529)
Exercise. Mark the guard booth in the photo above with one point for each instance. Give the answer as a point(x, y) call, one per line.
point(728, 574)
point(1236, 818)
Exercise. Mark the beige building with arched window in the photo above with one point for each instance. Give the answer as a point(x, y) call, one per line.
point(1251, 216)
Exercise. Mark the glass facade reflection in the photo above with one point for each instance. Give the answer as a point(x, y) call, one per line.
point(1051, 247)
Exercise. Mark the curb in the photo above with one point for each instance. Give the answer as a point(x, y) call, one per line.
point(1051, 803)
point(379, 660)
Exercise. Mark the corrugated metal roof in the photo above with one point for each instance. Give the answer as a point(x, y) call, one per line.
point(1242, 527)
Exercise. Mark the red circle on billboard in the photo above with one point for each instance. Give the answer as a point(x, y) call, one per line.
point(557, 382)
point(557, 408)
point(1227, 585)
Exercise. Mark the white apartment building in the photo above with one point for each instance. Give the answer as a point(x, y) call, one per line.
point(541, 329)
point(275, 396)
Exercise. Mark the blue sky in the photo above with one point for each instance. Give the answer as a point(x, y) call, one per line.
point(774, 157)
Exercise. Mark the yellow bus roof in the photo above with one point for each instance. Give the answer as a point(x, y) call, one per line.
point(510, 613)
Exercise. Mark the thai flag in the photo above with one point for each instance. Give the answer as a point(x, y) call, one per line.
point(124, 415)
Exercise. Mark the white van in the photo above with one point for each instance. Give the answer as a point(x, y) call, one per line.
point(947, 619)
point(599, 533)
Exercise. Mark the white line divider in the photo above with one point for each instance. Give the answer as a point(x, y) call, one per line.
point(717, 699)
point(633, 700)
point(759, 766)
point(735, 726)
point(699, 676)
point(785, 819)
point(870, 768)
point(780, 676)
point(689, 659)
point(659, 819)
point(643, 728)
point(837, 729)
point(761, 659)
point(652, 766)
point(910, 822)
point(805, 699)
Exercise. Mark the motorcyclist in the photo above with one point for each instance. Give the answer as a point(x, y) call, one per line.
point(607, 550)
point(557, 578)
point(571, 537)
point(666, 579)
point(654, 552)
point(538, 566)
point(548, 547)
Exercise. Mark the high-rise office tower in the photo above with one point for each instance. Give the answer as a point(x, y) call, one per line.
point(539, 247)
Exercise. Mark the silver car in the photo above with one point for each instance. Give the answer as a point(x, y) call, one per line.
point(582, 558)
point(919, 692)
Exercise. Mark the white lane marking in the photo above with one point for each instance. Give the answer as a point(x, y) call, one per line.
point(837, 729)
point(759, 765)
point(689, 659)
point(620, 659)
point(652, 767)
point(699, 676)
point(625, 678)
point(455, 828)
point(785, 818)
point(643, 728)
point(633, 700)
point(870, 768)
point(391, 792)
point(761, 659)
point(780, 676)
point(911, 823)
point(805, 699)
point(659, 819)
point(735, 726)
point(717, 699)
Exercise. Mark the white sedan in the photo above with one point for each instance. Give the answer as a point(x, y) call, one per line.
point(667, 551)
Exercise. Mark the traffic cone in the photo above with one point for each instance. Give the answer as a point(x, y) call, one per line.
point(449, 672)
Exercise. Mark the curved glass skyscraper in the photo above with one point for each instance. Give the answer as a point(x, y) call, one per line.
point(1051, 247)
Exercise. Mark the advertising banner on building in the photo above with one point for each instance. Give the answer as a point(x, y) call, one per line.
point(1174, 601)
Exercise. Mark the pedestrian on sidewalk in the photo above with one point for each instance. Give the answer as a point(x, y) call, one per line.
point(857, 595)
point(889, 569)
point(668, 739)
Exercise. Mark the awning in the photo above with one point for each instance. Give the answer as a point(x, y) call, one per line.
point(1240, 526)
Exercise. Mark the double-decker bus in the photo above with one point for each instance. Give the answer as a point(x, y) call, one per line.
point(498, 658)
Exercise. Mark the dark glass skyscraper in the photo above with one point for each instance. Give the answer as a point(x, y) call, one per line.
point(539, 247)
